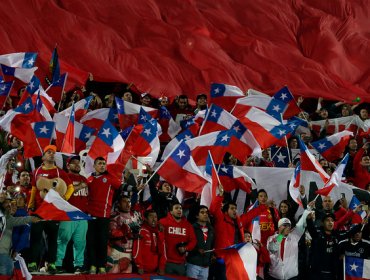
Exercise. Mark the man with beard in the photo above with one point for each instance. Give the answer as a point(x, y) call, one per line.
point(148, 251)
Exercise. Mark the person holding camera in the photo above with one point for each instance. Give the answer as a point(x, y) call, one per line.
point(179, 238)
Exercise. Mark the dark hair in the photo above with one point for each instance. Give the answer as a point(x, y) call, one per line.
point(183, 96)
point(200, 207)
point(227, 206)
point(99, 158)
point(19, 173)
point(173, 203)
point(148, 212)
point(262, 191)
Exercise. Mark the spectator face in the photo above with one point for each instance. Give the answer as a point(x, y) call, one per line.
point(202, 101)
point(345, 111)
point(293, 144)
point(327, 203)
point(284, 208)
point(202, 216)
point(166, 187)
point(324, 163)
point(183, 103)
point(164, 102)
point(233, 160)
point(285, 229)
point(262, 198)
point(74, 166)
point(145, 101)
point(100, 166)
point(152, 220)
point(352, 145)
point(49, 156)
point(364, 114)
point(248, 237)
point(24, 178)
point(328, 224)
point(324, 114)
point(232, 211)
point(127, 96)
point(125, 205)
point(365, 161)
point(176, 211)
point(357, 236)
point(21, 202)
point(265, 154)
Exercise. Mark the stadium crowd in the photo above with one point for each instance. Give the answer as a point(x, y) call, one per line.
point(166, 234)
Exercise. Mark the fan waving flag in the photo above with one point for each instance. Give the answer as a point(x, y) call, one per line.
point(96, 118)
point(23, 74)
point(170, 128)
point(240, 260)
point(283, 104)
point(180, 170)
point(335, 178)
point(332, 147)
point(225, 95)
point(68, 145)
point(353, 204)
point(210, 189)
point(55, 208)
point(81, 108)
point(56, 89)
point(356, 268)
point(20, 60)
point(185, 136)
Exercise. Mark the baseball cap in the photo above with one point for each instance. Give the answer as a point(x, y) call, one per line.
point(50, 147)
point(284, 221)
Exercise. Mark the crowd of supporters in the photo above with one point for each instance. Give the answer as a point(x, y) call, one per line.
point(166, 236)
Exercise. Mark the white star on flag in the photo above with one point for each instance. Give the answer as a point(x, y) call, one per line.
point(87, 135)
point(27, 106)
point(322, 146)
point(224, 169)
point(106, 132)
point(283, 96)
point(354, 267)
point(187, 137)
point(217, 90)
point(213, 114)
point(118, 105)
point(181, 153)
point(143, 118)
point(147, 131)
point(276, 108)
point(236, 128)
point(281, 132)
point(44, 129)
point(225, 138)
point(31, 61)
point(3, 88)
point(292, 125)
point(281, 157)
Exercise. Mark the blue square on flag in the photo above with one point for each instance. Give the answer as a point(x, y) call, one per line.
point(280, 156)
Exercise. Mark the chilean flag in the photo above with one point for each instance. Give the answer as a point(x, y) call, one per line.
point(218, 143)
point(332, 147)
point(143, 141)
point(128, 113)
point(68, 145)
point(82, 133)
point(55, 208)
point(96, 118)
point(241, 261)
point(335, 178)
point(23, 74)
point(56, 89)
point(225, 95)
point(266, 129)
point(233, 178)
point(283, 104)
point(81, 108)
point(210, 189)
point(183, 136)
point(44, 132)
point(294, 185)
point(44, 103)
point(217, 119)
point(31, 88)
point(5, 89)
point(310, 163)
point(180, 170)
point(356, 268)
point(170, 128)
point(19, 60)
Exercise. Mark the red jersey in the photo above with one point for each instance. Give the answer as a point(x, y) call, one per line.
point(101, 190)
point(54, 172)
point(362, 174)
point(177, 232)
point(79, 198)
point(149, 249)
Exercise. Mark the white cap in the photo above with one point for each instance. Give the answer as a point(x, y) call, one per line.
point(284, 221)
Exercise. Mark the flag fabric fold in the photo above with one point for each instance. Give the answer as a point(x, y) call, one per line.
point(225, 95)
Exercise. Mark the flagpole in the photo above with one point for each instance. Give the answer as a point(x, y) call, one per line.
point(205, 118)
point(10, 89)
point(213, 165)
point(275, 153)
point(367, 217)
point(61, 96)
point(344, 267)
point(151, 177)
point(286, 141)
point(38, 144)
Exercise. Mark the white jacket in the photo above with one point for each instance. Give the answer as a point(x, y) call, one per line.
point(287, 267)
